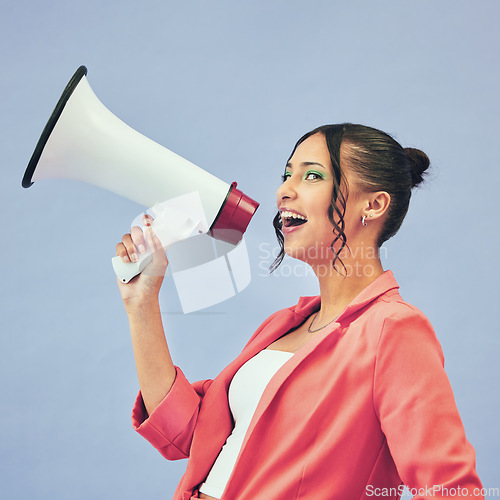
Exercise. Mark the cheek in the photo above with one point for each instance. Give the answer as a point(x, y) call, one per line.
point(321, 225)
point(321, 231)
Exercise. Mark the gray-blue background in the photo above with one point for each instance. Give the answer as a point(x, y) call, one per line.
point(230, 86)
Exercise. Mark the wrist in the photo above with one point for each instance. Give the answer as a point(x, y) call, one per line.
point(142, 305)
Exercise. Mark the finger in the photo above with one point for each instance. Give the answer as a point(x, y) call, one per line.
point(121, 251)
point(147, 220)
point(138, 239)
point(152, 240)
point(159, 264)
point(128, 243)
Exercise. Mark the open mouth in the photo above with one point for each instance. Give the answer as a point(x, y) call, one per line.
point(290, 219)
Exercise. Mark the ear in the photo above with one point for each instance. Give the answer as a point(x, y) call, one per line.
point(377, 204)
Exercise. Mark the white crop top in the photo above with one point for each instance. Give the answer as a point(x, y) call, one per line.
point(244, 394)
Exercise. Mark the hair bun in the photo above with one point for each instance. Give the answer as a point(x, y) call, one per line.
point(419, 163)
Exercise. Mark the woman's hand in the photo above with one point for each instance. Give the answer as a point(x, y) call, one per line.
point(146, 286)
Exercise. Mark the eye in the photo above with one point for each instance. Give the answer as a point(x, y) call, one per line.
point(315, 175)
point(285, 176)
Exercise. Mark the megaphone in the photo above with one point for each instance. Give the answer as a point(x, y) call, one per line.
point(84, 141)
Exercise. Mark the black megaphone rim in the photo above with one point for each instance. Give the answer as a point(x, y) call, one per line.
point(51, 123)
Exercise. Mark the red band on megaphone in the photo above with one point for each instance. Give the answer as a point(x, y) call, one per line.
point(234, 216)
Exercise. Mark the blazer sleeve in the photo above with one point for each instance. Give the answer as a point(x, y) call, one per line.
point(171, 425)
point(414, 402)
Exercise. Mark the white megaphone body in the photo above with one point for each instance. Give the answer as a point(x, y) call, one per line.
point(84, 141)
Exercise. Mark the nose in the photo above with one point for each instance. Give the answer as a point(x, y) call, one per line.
point(286, 190)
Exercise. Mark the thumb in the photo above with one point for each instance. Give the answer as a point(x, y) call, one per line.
point(160, 261)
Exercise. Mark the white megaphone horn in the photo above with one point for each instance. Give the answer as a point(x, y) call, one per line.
point(84, 141)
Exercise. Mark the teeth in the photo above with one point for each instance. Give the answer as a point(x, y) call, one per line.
point(292, 215)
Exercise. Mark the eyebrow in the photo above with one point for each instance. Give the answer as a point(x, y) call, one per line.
point(306, 164)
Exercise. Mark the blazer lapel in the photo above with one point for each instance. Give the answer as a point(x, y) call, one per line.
point(215, 419)
point(330, 335)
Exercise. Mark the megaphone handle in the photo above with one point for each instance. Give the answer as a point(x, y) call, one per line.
point(126, 271)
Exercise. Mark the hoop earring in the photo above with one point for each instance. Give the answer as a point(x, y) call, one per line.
point(363, 220)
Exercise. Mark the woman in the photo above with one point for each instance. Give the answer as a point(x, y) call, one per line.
point(341, 396)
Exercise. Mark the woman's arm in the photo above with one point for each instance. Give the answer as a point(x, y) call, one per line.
point(417, 411)
point(155, 369)
point(166, 410)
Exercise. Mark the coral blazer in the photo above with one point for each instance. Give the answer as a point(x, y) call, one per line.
point(360, 409)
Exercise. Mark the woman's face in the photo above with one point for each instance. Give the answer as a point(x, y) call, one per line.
point(307, 193)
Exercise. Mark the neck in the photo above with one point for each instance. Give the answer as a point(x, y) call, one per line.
point(338, 290)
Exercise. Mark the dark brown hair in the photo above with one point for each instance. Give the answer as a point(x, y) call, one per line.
point(380, 163)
